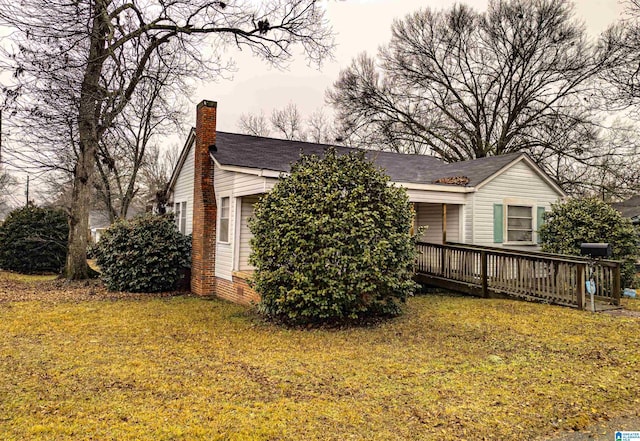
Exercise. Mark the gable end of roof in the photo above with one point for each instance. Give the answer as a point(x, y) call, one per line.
point(181, 160)
point(524, 157)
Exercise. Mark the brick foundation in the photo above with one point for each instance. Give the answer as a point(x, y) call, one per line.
point(236, 291)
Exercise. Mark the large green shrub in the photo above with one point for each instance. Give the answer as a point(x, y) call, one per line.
point(34, 240)
point(145, 254)
point(331, 243)
point(575, 221)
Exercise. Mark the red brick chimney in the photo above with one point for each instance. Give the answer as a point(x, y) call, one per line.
point(203, 254)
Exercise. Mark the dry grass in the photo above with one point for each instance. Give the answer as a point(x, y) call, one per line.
point(27, 278)
point(631, 304)
point(188, 369)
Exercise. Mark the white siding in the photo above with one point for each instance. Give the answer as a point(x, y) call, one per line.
point(237, 186)
point(246, 184)
point(269, 183)
point(519, 184)
point(430, 215)
point(244, 247)
point(183, 188)
point(437, 197)
point(223, 183)
point(453, 223)
point(468, 219)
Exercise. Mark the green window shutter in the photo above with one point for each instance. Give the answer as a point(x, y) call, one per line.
point(540, 220)
point(498, 223)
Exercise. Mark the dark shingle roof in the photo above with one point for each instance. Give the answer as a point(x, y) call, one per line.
point(277, 154)
point(477, 170)
point(629, 208)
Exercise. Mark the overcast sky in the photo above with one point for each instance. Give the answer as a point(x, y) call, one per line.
point(361, 25)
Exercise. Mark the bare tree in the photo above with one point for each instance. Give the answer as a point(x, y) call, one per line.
point(254, 124)
point(92, 56)
point(154, 110)
point(623, 72)
point(156, 173)
point(461, 84)
point(319, 128)
point(287, 122)
point(7, 183)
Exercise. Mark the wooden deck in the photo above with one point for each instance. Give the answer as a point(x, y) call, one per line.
point(489, 271)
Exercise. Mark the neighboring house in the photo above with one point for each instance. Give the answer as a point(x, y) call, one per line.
point(99, 221)
point(495, 201)
point(629, 209)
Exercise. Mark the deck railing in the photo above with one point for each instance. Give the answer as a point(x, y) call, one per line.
point(488, 271)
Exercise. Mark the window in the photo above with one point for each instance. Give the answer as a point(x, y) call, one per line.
point(519, 223)
point(223, 230)
point(176, 215)
point(180, 216)
point(183, 218)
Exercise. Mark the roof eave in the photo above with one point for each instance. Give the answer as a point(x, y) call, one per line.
point(263, 172)
point(276, 174)
point(435, 187)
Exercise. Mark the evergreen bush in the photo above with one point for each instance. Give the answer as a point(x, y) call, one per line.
point(145, 254)
point(590, 220)
point(34, 240)
point(332, 243)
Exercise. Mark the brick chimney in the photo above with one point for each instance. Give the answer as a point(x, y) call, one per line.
point(203, 255)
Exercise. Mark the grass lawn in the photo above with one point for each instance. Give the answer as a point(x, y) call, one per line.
point(183, 368)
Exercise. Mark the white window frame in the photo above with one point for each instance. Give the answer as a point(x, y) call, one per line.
point(177, 214)
point(221, 219)
point(533, 211)
point(180, 216)
point(183, 218)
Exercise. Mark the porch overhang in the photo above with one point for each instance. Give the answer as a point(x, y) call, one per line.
point(437, 197)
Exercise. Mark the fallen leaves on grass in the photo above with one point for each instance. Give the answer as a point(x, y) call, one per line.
point(16, 287)
point(186, 368)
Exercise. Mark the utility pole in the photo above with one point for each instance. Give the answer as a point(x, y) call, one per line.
point(27, 192)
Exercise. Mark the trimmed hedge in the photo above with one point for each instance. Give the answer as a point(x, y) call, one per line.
point(332, 243)
point(34, 240)
point(145, 254)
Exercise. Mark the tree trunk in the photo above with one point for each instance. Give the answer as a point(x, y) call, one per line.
point(77, 267)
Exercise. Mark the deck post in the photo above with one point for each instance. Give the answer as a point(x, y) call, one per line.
point(616, 285)
point(484, 273)
point(444, 224)
point(580, 281)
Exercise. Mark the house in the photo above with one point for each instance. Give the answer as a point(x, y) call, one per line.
point(99, 221)
point(629, 209)
point(495, 201)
